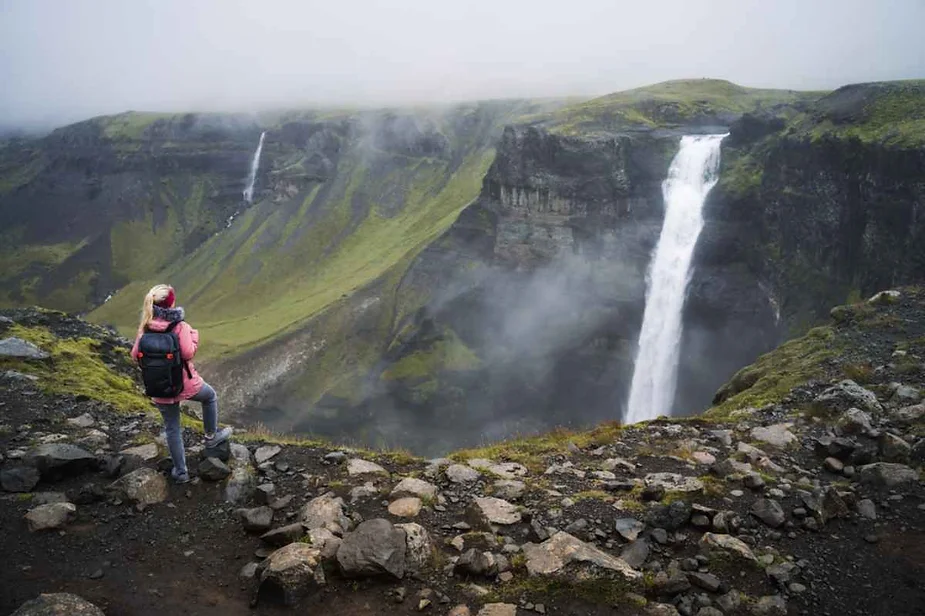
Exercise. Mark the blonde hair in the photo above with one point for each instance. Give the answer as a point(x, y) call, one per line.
point(158, 293)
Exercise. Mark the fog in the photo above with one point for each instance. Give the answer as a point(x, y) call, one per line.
point(65, 61)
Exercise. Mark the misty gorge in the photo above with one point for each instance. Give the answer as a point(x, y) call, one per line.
point(443, 276)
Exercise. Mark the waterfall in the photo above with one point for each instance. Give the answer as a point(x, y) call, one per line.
point(692, 174)
point(252, 175)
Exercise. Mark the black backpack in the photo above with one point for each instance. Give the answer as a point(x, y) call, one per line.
point(161, 364)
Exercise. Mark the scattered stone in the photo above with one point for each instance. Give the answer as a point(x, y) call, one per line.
point(58, 604)
point(335, 457)
point(753, 481)
point(51, 516)
point(419, 550)
point(769, 511)
point(487, 511)
point(845, 395)
point(853, 422)
point(144, 486)
point(629, 528)
point(21, 479)
point(673, 482)
point(730, 468)
point(730, 602)
point(460, 610)
point(893, 448)
point(44, 498)
point(457, 473)
point(409, 486)
point(146, 452)
point(706, 581)
point(498, 609)
point(242, 483)
point(774, 605)
point(888, 474)
point(867, 509)
point(222, 451)
point(18, 348)
point(562, 549)
point(213, 469)
point(367, 490)
point(357, 466)
point(290, 573)
point(249, 571)
point(266, 452)
point(703, 457)
point(58, 460)
point(885, 298)
point(777, 435)
point(476, 562)
point(670, 517)
point(906, 395)
point(750, 451)
point(326, 511)
point(407, 507)
point(82, 421)
point(636, 553)
point(265, 493)
point(284, 535)
point(834, 465)
point(614, 464)
point(711, 542)
point(908, 414)
point(326, 541)
point(508, 489)
point(374, 548)
point(257, 520)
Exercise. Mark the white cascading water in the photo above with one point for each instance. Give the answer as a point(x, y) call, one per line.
point(693, 172)
point(252, 175)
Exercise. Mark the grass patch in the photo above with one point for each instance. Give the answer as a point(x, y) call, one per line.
point(538, 589)
point(861, 372)
point(448, 353)
point(593, 495)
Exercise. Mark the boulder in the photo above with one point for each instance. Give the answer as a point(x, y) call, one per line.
point(769, 511)
point(559, 551)
point(488, 511)
point(894, 449)
point(146, 452)
point(508, 489)
point(290, 573)
point(326, 541)
point(357, 466)
point(257, 520)
point(57, 460)
point(908, 414)
point(853, 422)
point(673, 482)
point(374, 548)
point(887, 474)
point(845, 395)
point(58, 604)
point(326, 511)
point(420, 550)
point(716, 543)
point(222, 451)
point(213, 469)
point(778, 435)
point(409, 486)
point(407, 507)
point(144, 486)
point(266, 452)
point(51, 516)
point(457, 473)
point(17, 348)
point(241, 484)
point(284, 535)
point(22, 479)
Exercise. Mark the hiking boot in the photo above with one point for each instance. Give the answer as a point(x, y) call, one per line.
point(179, 477)
point(219, 437)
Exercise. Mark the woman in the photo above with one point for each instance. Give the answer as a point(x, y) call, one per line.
point(158, 315)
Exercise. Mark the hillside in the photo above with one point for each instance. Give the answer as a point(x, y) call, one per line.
point(812, 501)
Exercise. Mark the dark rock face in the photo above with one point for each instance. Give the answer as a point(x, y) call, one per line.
point(58, 603)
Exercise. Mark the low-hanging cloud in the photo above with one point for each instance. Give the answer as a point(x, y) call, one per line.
point(65, 61)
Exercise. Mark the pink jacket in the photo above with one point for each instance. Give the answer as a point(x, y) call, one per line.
point(189, 342)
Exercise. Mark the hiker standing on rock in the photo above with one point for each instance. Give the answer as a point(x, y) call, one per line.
point(164, 348)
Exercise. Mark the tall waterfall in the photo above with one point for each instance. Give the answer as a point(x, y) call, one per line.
point(252, 175)
point(692, 174)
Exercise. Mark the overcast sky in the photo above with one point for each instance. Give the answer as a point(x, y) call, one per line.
point(65, 60)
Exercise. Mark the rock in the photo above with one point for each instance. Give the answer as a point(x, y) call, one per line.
point(908, 414)
point(326, 511)
point(774, 605)
point(326, 541)
point(636, 553)
point(266, 452)
point(265, 493)
point(249, 571)
point(768, 511)
point(239, 454)
point(629, 528)
point(21, 479)
point(508, 489)
point(906, 395)
point(711, 542)
point(82, 421)
point(753, 481)
point(457, 473)
point(703, 457)
point(50, 516)
point(894, 449)
point(709, 611)
point(730, 467)
point(706, 581)
point(853, 422)
point(146, 452)
point(94, 439)
point(614, 464)
point(887, 474)
point(833, 465)
point(374, 548)
point(222, 451)
point(867, 509)
point(213, 469)
point(419, 548)
point(367, 490)
point(562, 549)
point(144, 486)
point(487, 511)
point(284, 535)
point(781, 573)
point(241, 484)
point(334, 457)
point(750, 451)
point(673, 482)
point(407, 507)
point(409, 486)
point(498, 609)
point(885, 298)
point(671, 582)
point(845, 395)
point(44, 498)
point(825, 504)
point(257, 520)
point(506, 470)
point(730, 602)
point(357, 466)
point(671, 517)
point(290, 573)
point(58, 460)
point(777, 435)
point(840, 448)
point(58, 604)
point(17, 348)
point(476, 562)
point(460, 610)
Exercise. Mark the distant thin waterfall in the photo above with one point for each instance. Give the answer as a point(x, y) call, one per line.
point(252, 175)
point(693, 172)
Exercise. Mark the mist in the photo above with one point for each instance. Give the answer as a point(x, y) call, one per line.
point(65, 61)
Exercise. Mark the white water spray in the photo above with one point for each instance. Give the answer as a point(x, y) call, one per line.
point(692, 174)
point(252, 175)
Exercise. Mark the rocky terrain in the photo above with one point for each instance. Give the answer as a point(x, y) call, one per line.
point(800, 492)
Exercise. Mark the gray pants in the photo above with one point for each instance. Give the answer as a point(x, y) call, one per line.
point(171, 414)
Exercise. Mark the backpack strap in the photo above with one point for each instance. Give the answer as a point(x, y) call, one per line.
point(171, 326)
